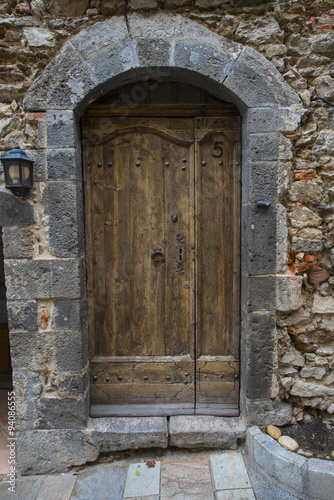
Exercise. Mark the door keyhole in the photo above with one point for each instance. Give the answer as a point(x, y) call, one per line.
point(180, 254)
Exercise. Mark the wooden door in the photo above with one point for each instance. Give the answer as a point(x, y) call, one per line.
point(162, 264)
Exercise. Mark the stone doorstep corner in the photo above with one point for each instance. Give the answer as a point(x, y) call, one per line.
point(311, 477)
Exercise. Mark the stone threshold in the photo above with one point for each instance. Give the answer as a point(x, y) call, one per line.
point(181, 431)
point(311, 477)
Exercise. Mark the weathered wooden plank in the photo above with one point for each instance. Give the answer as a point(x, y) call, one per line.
point(186, 110)
point(217, 410)
point(142, 410)
point(218, 228)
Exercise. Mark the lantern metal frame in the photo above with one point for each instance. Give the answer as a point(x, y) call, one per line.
point(23, 182)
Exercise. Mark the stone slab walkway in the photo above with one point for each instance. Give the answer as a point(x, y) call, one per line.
point(176, 475)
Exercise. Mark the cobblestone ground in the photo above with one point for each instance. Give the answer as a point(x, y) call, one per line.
point(172, 475)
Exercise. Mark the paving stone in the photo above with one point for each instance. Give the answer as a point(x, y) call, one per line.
point(189, 478)
point(229, 471)
point(104, 484)
point(26, 488)
point(235, 495)
point(56, 487)
point(145, 484)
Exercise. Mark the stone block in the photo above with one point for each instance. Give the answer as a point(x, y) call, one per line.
point(49, 451)
point(203, 59)
point(259, 182)
point(67, 278)
point(43, 279)
point(69, 315)
point(321, 479)
point(288, 292)
point(281, 239)
point(110, 483)
point(284, 148)
point(265, 449)
point(62, 413)
point(64, 8)
point(323, 305)
point(27, 387)
point(63, 202)
point(35, 350)
point(143, 4)
point(22, 315)
point(290, 469)
point(261, 120)
point(261, 147)
point(114, 61)
point(289, 120)
point(107, 50)
point(268, 411)
point(14, 212)
point(72, 383)
point(102, 35)
point(109, 7)
point(39, 38)
point(62, 85)
point(71, 349)
point(324, 145)
point(255, 83)
point(167, 26)
point(18, 243)
point(29, 279)
point(324, 44)
point(259, 230)
point(306, 245)
point(175, 4)
point(261, 293)
point(202, 431)
point(64, 164)
point(113, 433)
point(210, 4)
point(252, 432)
point(38, 156)
point(260, 354)
point(158, 52)
point(61, 131)
point(307, 192)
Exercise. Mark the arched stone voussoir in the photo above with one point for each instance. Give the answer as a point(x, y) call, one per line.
point(254, 82)
point(87, 64)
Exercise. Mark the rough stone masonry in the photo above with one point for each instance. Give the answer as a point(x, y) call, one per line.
point(32, 33)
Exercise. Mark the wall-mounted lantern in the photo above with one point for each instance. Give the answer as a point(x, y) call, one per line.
point(18, 171)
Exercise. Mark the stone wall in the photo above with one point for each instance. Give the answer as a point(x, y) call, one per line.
point(32, 33)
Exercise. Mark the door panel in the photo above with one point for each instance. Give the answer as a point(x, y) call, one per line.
point(218, 263)
point(162, 216)
point(140, 203)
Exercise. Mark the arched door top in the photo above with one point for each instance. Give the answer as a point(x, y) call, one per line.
point(117, 51)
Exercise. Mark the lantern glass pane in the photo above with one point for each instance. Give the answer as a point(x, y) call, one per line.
point(26, 169)
point(13, 172)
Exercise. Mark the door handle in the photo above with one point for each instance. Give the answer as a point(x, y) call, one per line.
point(158, 256)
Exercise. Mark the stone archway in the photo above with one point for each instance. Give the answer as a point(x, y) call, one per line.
point(99, 59)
